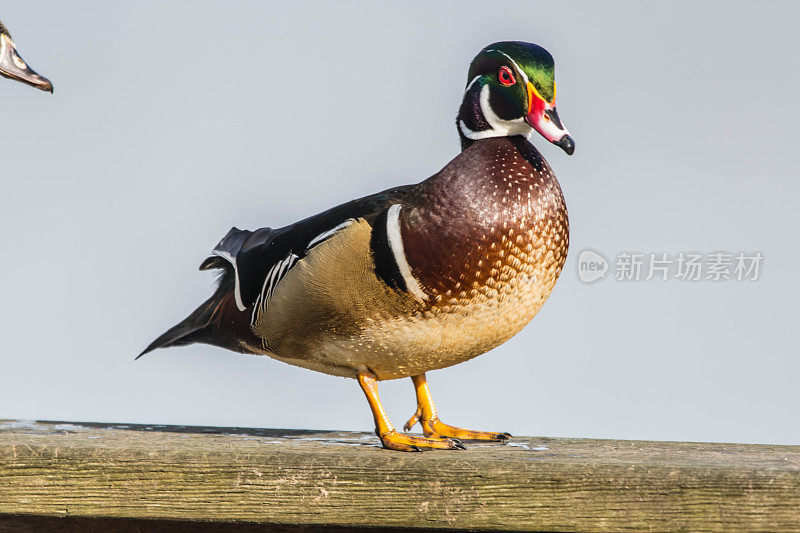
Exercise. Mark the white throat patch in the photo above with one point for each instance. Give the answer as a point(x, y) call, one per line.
point(498, 127)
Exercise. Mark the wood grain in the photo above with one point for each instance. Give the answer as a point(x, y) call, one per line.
point(303, 478)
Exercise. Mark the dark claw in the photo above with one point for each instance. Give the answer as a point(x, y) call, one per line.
point(415, 448)
point(504, 437)
point(457, 444)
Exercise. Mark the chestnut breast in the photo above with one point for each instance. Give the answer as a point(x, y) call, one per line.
point(492, 223)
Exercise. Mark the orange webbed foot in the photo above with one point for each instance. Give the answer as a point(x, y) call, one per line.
point(390, 438)
point(432, 427)
point(412, 443)
point(437, 427)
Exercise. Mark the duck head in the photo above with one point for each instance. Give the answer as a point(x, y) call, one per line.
point(511, 90)
point(13, 67)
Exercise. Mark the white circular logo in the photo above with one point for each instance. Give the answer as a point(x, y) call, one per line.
point(591, 266)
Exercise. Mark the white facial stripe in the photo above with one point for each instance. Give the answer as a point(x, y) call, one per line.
point(508, 127)
point(499, 126)
point(469, 86)
point(396, 245)
point(516, 65)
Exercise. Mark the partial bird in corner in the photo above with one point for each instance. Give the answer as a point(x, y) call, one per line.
point(13, 67)
point(417, 277)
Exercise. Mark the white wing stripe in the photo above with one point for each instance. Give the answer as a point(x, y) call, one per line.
point(322, 236)
point(396, 245)
point(281, 268)
point(237, 293)
point(271, 280)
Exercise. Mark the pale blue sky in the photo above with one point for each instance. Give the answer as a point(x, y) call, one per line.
point(172, 122)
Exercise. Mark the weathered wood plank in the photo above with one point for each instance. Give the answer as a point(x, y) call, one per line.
point(51, 524)
point(286, 477)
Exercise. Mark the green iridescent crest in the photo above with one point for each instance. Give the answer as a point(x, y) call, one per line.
point(534, 61)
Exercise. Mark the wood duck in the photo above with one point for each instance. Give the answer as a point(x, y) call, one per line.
point(417, 277)
point(13, 67)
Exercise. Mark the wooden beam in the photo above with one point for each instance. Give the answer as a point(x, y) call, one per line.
point(284, 478)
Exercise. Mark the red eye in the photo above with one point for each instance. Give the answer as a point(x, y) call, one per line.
point(506, 76)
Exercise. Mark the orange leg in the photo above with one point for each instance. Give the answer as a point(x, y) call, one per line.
point(385, 430)
point(433, 427)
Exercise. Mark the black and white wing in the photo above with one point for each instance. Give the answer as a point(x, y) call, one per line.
point(262, 258)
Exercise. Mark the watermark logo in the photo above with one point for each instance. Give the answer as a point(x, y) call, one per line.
point(591, 266)
point(663, 266)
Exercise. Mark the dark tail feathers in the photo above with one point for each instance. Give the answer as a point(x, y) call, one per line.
point(199, 326)
point(190, 330)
